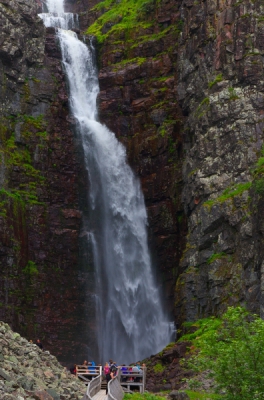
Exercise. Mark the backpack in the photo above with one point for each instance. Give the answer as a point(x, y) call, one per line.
point(113, 368)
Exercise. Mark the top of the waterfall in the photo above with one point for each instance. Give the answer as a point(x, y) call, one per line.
point(55, 6)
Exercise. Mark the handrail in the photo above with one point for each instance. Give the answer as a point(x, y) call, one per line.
point(88, 370)
point(93, 386)
point(132, 376)
point(115, 391)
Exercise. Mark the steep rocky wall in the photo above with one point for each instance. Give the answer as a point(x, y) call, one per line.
point(220, 89)
point(138, 101)
point(42, 290)
point(210, 78)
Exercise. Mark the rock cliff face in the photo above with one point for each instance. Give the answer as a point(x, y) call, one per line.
point(41, 288)
point(138, 101)
point(220, 89)
point(210, 78)
point(182, 87)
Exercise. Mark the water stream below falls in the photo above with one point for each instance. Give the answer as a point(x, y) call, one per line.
point(131, 322)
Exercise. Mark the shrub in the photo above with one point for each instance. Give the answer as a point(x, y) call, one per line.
point(158, 368)
point(234, 353)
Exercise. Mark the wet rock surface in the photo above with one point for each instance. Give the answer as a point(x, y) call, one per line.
point(29, 373)
point(138, 101)
point(165, 372)
point(42, 288)
point(220, 88)
point(185, 96)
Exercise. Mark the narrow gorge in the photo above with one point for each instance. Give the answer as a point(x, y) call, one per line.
point(181, 85)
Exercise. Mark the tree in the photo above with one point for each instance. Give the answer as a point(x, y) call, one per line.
point(234, 351)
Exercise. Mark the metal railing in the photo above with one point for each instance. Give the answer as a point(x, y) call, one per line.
point(89, 371)
point(132, 376)
point(94, 385)
point(115, 391)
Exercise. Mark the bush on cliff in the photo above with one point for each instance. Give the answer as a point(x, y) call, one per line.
point(233, 349)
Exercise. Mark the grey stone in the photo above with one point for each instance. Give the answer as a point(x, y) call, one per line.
point(176, 395)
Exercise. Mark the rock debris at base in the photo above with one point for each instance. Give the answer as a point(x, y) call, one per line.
point(28, 373)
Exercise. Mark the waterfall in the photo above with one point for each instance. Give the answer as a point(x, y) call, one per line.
point(131, 323)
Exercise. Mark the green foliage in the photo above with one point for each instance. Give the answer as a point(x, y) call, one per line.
point(258, 173)
point(143, 396)
point(118, 16)
point(215, 256)
point(128, 17)
point(136, 60)
point(260, 162)
point(203, 107)
point(232, 94)
point(229, 193)
point(201, 396)
point(30, 268)
point(199, 328)
point(233, 351)
point(158, 368)
point(31, 131)
point(218, 78)
point(259, 186)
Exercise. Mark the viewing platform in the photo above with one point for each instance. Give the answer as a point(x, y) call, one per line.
point(127, 379)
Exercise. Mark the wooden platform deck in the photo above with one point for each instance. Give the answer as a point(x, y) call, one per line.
point(100, 395)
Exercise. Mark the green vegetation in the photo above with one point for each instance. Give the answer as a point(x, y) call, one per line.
point(218, 78)
point(118, 16)
point(258, 173)
point(232, 94)
point(203, 107)
point(202, 396)
point(128, 18)
point(30, 268)
point(136, 60)
point(215, 256)
point(158, 368)
point(231, 347)
point(17, 151)
point(229, 193)
point(143, 396)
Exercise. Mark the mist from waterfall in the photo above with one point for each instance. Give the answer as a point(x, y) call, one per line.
point(131, 323)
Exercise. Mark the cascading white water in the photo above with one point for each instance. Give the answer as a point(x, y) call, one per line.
point(56, 17)
point(131, 323)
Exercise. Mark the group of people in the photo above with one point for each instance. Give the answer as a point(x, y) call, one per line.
point(38, 343)
point(134, 372)
point(110, 371)
point(90, 366)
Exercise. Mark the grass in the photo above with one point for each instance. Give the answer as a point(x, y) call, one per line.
point(143, 396)
point(201, 395)
point(258, 173)
point(229, 193)
point(129, 18)
point(200, 327)
point(30, 268)
point(218, 78)
point(215, 256)
point(158, 368)
point(119, 16)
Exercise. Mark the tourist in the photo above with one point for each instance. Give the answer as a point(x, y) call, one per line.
point(39, 344)
point(124, 371)
point(73, 369)
point(107, 375)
